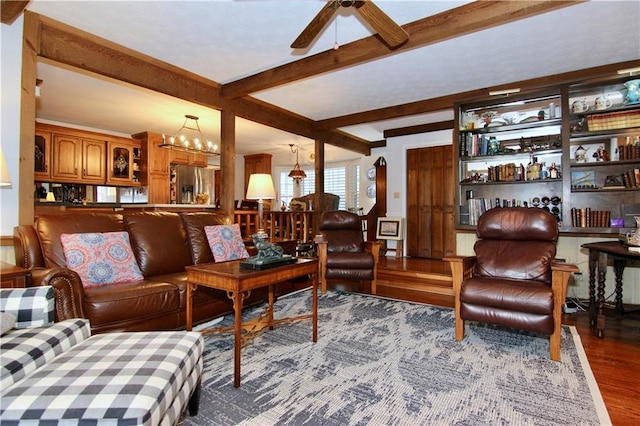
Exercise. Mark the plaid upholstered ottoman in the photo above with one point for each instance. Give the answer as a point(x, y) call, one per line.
point(141, 378)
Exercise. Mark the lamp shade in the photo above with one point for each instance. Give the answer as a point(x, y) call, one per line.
point(5, 179)
point(260, 187)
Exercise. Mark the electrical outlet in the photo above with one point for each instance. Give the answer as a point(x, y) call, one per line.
point(577, 276)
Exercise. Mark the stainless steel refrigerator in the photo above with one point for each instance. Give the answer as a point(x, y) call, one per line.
point(189, 181)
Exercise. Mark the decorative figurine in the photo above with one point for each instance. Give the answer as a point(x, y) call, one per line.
point(601, 154)
point(581, 154)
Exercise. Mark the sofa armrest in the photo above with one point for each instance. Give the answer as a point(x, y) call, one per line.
point(68, 289)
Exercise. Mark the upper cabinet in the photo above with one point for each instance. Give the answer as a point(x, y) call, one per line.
point(509, 153)
point(124, 162)
point(42, 155)
point(78, 159)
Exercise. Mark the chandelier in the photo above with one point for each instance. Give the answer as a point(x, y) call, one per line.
point(190, 138)
point(297, 174)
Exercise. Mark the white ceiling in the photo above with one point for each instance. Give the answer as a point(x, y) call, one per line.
point(225, 40)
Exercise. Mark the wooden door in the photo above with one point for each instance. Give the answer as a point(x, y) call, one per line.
point(430, 232)
point(94, 161)
point(66, 157)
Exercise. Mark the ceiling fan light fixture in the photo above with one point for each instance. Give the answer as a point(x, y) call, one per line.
point(190, 138)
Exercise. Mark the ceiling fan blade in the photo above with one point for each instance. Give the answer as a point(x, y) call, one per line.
point(393, 34)
point(316, 25)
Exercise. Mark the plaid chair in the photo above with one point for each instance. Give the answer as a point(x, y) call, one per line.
point(32, 307)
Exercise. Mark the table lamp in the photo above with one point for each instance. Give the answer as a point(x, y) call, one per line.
point(260, 188)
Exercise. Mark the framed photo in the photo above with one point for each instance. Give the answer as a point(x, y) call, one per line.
point(390, 228)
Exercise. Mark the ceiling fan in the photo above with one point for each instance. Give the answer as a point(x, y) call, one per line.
point(392, 34)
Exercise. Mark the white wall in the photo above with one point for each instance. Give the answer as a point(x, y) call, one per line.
point(11, 45)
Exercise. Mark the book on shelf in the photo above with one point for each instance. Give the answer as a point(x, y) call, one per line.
point(586, 218)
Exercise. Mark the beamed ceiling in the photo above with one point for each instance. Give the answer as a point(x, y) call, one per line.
point(127, 67)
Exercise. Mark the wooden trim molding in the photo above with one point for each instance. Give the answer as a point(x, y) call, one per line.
point(6, 241)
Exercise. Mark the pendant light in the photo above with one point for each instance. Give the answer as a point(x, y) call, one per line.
point(297, 174)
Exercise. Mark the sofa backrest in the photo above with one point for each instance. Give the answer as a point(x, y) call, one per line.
point(194, 223)
point(159, 242)
point(50, 227)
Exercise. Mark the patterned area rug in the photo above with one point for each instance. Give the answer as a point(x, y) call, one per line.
point(384, 362)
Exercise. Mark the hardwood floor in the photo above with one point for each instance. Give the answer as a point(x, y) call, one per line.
point(614, 360)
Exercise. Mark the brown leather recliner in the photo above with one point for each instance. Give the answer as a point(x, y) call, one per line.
point(344, 254)
point(513, 280)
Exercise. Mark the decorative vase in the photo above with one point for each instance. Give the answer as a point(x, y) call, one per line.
point(633, 91)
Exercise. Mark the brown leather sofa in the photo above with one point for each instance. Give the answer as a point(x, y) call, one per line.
point(163, 244)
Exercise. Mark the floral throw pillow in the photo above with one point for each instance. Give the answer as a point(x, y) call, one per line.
point(226, 242)
point(101, 258)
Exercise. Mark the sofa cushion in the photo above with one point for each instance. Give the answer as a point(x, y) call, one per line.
point(50, 227)
point(23, 351)
point(159, 242)
point(226, 242)
point(101, 258)
point(32, 307)
point(194, 223)
point(154, 302)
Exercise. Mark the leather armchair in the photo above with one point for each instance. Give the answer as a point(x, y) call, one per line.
point(344, 254)
point(513, 280)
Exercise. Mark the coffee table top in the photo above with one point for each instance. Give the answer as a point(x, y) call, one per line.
point(231, 276)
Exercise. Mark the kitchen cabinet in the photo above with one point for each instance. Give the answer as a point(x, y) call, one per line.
point(255, 163)
point(155, 167)
point(188, 158)
point(78, 159)
point(123, 162)
point(42, 156)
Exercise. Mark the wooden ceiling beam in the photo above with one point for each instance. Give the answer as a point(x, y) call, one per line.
point(420, 128)
point(449, 24)
point(447, 102)
point(11, 9)
point(70, 46)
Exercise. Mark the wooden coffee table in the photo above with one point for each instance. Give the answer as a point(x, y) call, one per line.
point(238, 283)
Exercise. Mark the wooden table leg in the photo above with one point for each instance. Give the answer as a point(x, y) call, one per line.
point(593, 309)
point(602, 271)
point(618, 268)
point(270, 313)
point(237, 337)
point(314, 307)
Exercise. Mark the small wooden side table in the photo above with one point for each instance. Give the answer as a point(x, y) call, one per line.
point(12, 276)
point(599, 253)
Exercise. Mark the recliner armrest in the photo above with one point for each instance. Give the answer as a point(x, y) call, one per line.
point(373, 247)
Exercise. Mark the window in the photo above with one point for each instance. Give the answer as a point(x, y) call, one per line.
point(342, 179)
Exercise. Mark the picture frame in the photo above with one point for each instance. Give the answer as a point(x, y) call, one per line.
point(390, 228)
